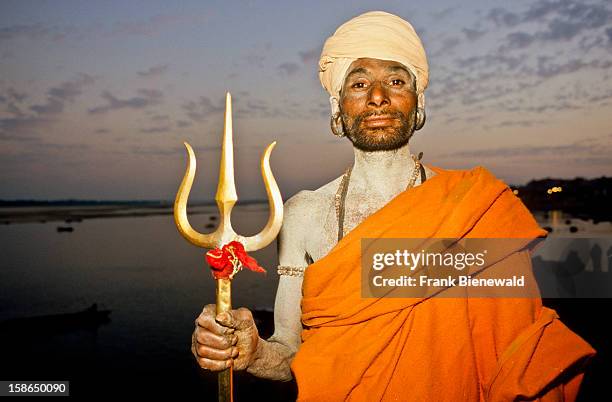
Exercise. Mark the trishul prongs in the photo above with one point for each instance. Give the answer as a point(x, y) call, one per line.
point(226, 197)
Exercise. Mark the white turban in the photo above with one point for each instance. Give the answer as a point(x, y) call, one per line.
point(376, 35)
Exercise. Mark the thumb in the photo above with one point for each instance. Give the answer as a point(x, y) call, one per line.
point(237, 319)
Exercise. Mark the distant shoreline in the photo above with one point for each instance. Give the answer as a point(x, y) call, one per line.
point(67, 215)
point(131, 203)
point(43, 212)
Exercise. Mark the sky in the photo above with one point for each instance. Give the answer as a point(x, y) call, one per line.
point(97, 98)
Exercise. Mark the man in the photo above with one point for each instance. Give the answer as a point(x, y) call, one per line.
point(340, 346)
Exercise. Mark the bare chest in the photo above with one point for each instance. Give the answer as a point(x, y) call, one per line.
point(323, 235)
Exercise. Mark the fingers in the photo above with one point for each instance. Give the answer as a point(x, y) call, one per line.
point(207, 320)
point(205, 337)
point(213, 365)
point(207, 352)
point(213, 345)
point(213, 352)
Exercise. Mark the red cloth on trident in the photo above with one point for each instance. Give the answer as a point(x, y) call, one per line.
point(225, 262)
point(434, 349)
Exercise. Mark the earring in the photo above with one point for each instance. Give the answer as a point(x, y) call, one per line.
point(420, 119)
point(336, 125)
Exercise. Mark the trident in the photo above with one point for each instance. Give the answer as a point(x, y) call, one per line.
point(226, 198)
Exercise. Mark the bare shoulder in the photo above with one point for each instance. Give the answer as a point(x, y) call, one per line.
point(307, 209)
point(308, 202)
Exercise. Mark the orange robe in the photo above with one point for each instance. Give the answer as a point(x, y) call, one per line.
point(434, 349)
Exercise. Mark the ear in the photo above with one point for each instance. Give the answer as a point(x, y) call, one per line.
point(335, 121)
point(334, 103)
point(420, 112)
point(420, 119)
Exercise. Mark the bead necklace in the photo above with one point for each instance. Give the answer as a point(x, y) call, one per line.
point(340, 197)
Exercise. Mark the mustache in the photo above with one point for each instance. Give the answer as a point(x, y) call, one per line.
point(395, 114)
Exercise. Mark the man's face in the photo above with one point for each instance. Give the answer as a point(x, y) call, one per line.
point(378, 104)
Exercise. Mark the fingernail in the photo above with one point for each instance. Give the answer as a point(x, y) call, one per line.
point(234, 352)
point(234, 339)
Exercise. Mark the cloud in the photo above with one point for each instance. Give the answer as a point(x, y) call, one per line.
point(477, 79)
point(491, 60)
point(102, 131)
point(257, 55)
point(561, 30)
point(7, 54)
point(157, 23)
point(183, 124)
point(446, 12)
point(153, 71)
point(18, 96)
point(564, 20)
point(589, 15)
point(255, 108)
point(160, 117)
point(170, 151)
point(503, 17)
point(261, 109)
point(473, 34)
point(256, 59)
point(519, 123)
point(52, 145)
point(20, 125)
point(203, 108)
point(59, 95)
point(52, 106)
point(148, 97)
point(591, 146)
point(609, 35)
point(33, 32)
point(541, 9)
point(13, 101)
point(288, 68)
point(448, 46)
point(589, 42)
point(161, 129)
point(511, 66)
point(546, 69)
point(21, 128)
point(518, 40)
point(309, 56)
point(601, 97)
point(25, 120)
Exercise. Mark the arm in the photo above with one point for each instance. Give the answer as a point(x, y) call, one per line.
point(273, 357)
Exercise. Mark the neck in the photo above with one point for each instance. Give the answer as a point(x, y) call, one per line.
point(382, 173)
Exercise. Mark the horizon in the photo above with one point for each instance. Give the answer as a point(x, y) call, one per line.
point(250, 200)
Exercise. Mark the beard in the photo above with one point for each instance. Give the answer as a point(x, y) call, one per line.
point(379, 138)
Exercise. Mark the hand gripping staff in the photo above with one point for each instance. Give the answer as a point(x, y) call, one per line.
point(224, 234)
